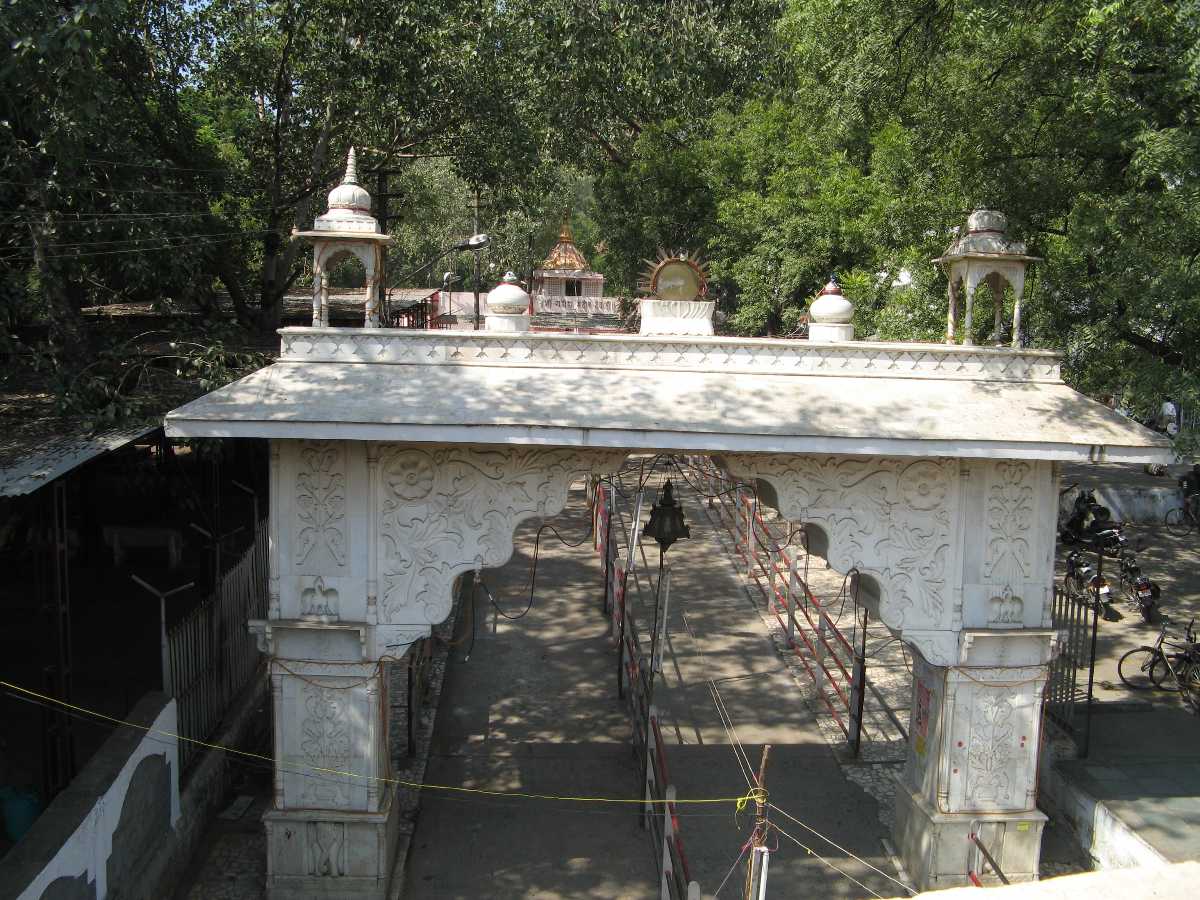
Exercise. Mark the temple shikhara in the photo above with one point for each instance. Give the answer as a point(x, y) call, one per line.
point(565, 282)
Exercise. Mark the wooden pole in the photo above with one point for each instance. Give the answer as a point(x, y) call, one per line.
point(756, 871)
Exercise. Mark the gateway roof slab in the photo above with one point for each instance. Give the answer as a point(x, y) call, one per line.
point(702, 394)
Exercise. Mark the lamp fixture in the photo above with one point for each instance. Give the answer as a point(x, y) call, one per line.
point(666, 523)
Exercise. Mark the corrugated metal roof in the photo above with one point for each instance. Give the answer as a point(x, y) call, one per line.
point(40, 465)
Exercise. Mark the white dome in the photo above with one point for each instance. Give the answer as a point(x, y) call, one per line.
point(508, 298)
point(349, 208)
point(350, 194)
point(830, 307)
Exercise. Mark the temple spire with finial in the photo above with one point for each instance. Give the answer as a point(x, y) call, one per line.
point(351, 176)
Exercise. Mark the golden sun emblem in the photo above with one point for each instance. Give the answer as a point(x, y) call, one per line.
point(675, 276)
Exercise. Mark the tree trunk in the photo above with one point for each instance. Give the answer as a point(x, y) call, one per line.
point(66, 325)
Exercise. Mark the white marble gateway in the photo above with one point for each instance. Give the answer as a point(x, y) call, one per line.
point(403, 459)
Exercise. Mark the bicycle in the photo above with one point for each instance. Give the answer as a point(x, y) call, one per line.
point(1175, 668)
point(1182, 519)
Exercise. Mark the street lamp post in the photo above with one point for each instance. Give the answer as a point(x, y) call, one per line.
point(666, 526)
point(475, 243)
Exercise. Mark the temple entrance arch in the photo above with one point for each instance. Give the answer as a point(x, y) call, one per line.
point(401, 459)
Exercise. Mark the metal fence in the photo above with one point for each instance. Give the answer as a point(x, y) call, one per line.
point(1072, 670)
point(211, 653)
point(778, 566)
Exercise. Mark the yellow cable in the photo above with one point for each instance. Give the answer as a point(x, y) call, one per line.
point(753, 794)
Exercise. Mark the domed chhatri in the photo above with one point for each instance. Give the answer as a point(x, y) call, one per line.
point(346, 229)
point(829, 315)
point(983, 253)
point(508, 306)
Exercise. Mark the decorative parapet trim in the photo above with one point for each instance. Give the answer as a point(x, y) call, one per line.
point(694, 353)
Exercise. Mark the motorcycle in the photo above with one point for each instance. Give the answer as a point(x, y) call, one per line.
point(1087, 517)
point(1083, 581)
point(1141, 593)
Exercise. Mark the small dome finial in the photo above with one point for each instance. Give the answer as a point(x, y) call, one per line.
point(351, 176)
point(830, 313)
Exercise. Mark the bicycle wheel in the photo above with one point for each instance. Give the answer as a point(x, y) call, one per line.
point(1161, 675)
point(1136, 668)
point(1177, 522)
point(1190, 679)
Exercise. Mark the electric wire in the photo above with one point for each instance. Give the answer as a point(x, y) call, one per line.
point(461, 789)
point(262, 765)
point(28, 254)
point(537, 543)
point(740, 856)
point(837, 846)
point(811, 852)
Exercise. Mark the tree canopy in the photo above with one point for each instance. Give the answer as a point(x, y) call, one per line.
point(163, 150)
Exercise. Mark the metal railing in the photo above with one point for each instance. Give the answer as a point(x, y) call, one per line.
point(779, 569)
point(1077, 620)
point(211, 653)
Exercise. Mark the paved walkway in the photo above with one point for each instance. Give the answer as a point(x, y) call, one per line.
point(720, 653)
point(533, 710)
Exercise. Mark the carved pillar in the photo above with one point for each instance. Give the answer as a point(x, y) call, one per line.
point(1016, 278)
point(318, 276)
point(975, 729)
point(952, 314)
point(333, 827)
point(972, 282)
point(367, 540)
point(372, 262)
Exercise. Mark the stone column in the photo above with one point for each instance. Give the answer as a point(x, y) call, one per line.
point(972, 761)
point(366, 542)
point(333, 829)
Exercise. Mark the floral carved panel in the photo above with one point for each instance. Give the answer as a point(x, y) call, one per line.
point(325, 744)
point(1008, 559)
point(448, 509)
point(992, 764)
point(319, 529)
point(891, 518)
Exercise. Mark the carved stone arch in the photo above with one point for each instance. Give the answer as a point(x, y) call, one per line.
point(145, 818)
point(892, 518)
point(446, 510)
point(327, 254)
point(816, 539)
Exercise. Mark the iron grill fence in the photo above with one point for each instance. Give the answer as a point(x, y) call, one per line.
point(212, 654)
point(1071, 672)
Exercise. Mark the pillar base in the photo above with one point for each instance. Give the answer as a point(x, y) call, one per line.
point(317, 854)
point(507, 323)
point(826, 333)
point(937, 852)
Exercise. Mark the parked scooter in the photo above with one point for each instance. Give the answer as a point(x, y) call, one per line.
point(1083, 581)
point(1140, 592)
point(1087, 517)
